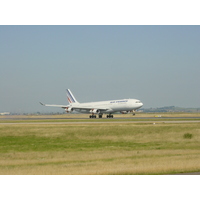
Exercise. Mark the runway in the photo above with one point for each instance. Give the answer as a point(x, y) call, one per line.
point(115, 118)
point(153, 121)
point(9, 120)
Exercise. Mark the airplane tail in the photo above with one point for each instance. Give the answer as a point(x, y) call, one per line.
point(70, 97)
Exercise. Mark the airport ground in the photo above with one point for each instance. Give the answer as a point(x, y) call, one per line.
point(158, 143)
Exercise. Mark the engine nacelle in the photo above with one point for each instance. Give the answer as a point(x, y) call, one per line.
point(68, 110)
point(94, 111)
point(124, 112)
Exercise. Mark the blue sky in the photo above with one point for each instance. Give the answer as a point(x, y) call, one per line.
point(160, 65)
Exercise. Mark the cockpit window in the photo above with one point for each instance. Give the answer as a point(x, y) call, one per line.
point(138, 102)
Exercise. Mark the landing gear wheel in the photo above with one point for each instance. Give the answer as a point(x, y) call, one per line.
point(92, 116)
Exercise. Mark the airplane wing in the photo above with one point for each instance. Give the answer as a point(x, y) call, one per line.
point(78, 108)
point(60, 106)
point(88, 108)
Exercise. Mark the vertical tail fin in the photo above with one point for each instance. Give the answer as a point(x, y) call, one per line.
point(70, 97)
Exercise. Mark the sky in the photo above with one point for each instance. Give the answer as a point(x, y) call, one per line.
point(159, 65)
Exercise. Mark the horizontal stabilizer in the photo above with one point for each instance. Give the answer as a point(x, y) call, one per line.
point(42, 104)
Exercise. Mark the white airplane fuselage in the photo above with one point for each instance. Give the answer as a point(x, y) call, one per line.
point(111, 106)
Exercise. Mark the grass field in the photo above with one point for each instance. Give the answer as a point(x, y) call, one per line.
point(105, 148)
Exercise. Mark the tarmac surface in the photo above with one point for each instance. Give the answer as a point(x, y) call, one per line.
point(154, 120)
point(103, 122)
point(124, 118)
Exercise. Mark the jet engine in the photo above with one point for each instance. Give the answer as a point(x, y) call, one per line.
point(94, 111)
point(68, 110)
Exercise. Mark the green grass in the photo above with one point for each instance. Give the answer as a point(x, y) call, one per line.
point(92, 137)
point(187, 136)
point(99, 148)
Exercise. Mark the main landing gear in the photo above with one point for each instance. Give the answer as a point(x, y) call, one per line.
point(94, 116)
point(101, 115)
point(109, 116)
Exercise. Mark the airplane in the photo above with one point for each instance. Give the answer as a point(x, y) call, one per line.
point(5, 113)
point(101, 107)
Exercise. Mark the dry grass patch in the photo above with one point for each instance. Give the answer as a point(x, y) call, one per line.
point(115, 162)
